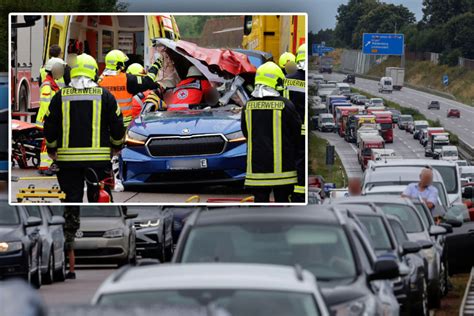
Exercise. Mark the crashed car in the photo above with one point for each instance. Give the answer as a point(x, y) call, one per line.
point(201, 144)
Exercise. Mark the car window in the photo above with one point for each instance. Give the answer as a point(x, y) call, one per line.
point(241, 302)
point(322, 249)
point(410, 221)
point(377, 232)
point(362, 252)
point(399, 231)
point(424, 216)
point(102, 211)
point(34, 211)
point(9, 215)
point(450, 178)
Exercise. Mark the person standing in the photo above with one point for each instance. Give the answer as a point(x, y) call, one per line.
point(424, 189)
point(273, 130)
point(354, 187)
point(83, 127)
point(71, 226)
point(56, 52)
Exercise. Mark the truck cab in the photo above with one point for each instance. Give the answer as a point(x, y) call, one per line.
point(449, 153)
point(342, 117)
point(385, 123)
point(326, 122)
point(331, 99)
point(435, 143)
point(365, 147)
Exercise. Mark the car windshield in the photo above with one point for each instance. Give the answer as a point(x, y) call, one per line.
point(450, 153)
point(468, 175)
point(322, 249)
point(404, 118)
point(410, 221)
point(378, 233)
point(385, 126)
point(420, 127)
point(102, 211)
point(377, 101)
point(240, 302)
point(327, 120)
point(399, 231)
point(450, 178)
point(8, 215)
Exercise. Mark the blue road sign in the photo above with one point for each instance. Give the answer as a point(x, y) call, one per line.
point(383, 44)
point(446, 80)
point(321, 49)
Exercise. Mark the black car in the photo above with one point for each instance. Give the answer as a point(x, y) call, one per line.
point(350, 79)
point(320, 239)
point(411, 288)
point(20, 244)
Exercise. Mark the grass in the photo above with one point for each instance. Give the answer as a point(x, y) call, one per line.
point(428, 75)
point(317, 162)
point(451, 303)
point(417, 115)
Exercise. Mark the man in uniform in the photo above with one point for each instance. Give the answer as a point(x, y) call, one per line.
point(83, 128)
point(273, 130)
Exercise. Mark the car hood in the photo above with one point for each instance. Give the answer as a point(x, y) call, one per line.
point(335, 295)
point(100, 223)
point(10, 233)
point(185, 123)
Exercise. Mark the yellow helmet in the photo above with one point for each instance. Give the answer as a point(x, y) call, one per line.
point(269, 74)
point(86, 66)
point(285, 58)
point(115, 59)
point(301, 53)
point(136, 69)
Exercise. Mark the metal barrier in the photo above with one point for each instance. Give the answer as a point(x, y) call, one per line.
point(467, 304)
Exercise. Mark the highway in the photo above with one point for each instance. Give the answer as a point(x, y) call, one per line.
point(407, 97)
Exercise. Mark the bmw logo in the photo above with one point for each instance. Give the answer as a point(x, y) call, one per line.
point(186, 131)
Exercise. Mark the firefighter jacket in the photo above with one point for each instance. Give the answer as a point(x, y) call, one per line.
point(124, 86)
point(48, 89)
point(295, 85)
point(272, 128)
point(82, 126)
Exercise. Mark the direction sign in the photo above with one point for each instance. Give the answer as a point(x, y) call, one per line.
point(446, 80)
point(383, 44)
point(321, 49)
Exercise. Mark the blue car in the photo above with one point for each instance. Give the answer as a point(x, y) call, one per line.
point(202, 145)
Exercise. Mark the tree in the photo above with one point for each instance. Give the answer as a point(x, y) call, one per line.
point(459, 33)
point(191, 26)
point(436, 12)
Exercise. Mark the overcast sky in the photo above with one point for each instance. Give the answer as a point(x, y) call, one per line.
point(322, 13)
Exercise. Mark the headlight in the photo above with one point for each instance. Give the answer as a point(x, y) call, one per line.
point(134, 139)
point(10, 246)
point(236, 137)
point(114, 233)
point(362, 306)
point(429, 254)
point(150, 223)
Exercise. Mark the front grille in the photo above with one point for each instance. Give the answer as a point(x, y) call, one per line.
point(93, 234)
point(186, 146)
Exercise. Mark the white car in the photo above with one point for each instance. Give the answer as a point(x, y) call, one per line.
point(375, 102)
point(467, 173)
point(234, 289)
point(449, 153)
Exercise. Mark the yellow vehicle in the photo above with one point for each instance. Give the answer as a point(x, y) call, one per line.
point(274, 34)
point(98, 34)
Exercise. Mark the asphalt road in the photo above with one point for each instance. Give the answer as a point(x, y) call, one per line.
point(407, 97)
point(148, 195)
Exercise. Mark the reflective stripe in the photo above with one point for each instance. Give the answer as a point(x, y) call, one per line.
point(151, 75)
point(85, 97)
point(139, 79)
point(299, 189)
point(295, 89)
point(88, 66)
point(117, 110)
point(286, 93)
point(45, 83)
point(83, 150)
point(39, 124)
point(249, 182)
point(269, 75)
point(137, 99)
point(52, 144)
point(257, 176)
point(61, 84)
point(277, 140)
point(192, 85)
point(88, 157)
point(116, 142)
point(96, 111)
point(248, 119)
point(124, 100)
point(45, 99)
point(66, 107)
point(126, 107)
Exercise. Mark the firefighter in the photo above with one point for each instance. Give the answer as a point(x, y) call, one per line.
point(83, 127)
point(55, 51)
point(295, 91)
point(272, 128)
point(138, 99)
point(124, 86)
point(287, 63)
point(54, 70)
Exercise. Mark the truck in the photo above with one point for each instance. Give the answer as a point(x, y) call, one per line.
point(331, 99)
point(435, 142)
point(274, 34)
point(385, 123)
point(384, 154)
point(386, 85)
point(365, 147)
point(326, 122)
point(427, 133)
point(342, 116)
point(325, 90)
point(449, 153)
point(325, 64)
point(353, 123)
point(95, 35)
point(398, 76)
point(344, 88)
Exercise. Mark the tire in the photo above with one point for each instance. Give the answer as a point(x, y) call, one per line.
point(48, 277)
point(434, 297)
point(23, 99)
point(422, 308)
point(36, 277)
point(60, 275)
point(443, 286)
point(162, 253)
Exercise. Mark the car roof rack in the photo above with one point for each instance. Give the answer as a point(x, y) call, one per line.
point(299, 272)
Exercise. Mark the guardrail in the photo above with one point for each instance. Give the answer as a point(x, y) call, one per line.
point(466, 151)
point(467, 304)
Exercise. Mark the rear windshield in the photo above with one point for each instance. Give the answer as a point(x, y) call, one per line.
point(410, 221)
point(377, 231)
point(9, 215)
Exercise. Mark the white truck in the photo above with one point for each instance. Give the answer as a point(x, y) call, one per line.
point(386, 85)
point(398, 76)
point(449, 153)
point(367, 129)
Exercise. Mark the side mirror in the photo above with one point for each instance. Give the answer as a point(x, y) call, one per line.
point(57, 220)
point(468, 193)
point(410, 247)
point(425, 244)
point(130, 216)
point(453, 222)
point(33, 221)
point(448, 227)
point(436, 230)
point(385, 269)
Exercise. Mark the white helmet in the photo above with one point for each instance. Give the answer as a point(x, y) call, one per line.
point(193, 71)
point(53, 62)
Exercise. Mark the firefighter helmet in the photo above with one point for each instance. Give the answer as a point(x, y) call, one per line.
point(301, 53)
point(269, 74)
point(136, 69)
point(115, 59)
point(86, 66)
point(285, 58)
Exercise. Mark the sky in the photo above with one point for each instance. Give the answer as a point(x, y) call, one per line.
point(322, 13)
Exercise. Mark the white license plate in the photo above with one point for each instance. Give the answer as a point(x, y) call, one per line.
point(190, 164)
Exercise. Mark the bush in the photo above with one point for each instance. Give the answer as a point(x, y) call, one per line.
point(450, 58)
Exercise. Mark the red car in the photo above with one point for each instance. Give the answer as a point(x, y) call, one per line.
point(454, 113)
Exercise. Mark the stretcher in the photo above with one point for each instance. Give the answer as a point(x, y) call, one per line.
point(26, 144)
point(197, 199)
point(32, 194)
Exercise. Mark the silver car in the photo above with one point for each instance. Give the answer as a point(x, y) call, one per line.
point(233, 289)
point(53, 261)
point(106, 234)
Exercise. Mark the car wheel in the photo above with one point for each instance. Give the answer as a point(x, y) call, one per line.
point(60, 275)
point(36, 277)
point(435, 295)
point(48, 277)
point(422, 307)
point(443, 283)
point(162, 255)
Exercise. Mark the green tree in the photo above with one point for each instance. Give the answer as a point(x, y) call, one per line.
point(459, 33)
point(436, 12)
point(191, 26)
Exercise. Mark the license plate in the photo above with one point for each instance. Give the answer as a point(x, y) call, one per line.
point(187, 164)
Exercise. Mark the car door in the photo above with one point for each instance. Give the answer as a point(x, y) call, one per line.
point(32, 233)
point(46, 239)
point(167, 218)
point(57, 235)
